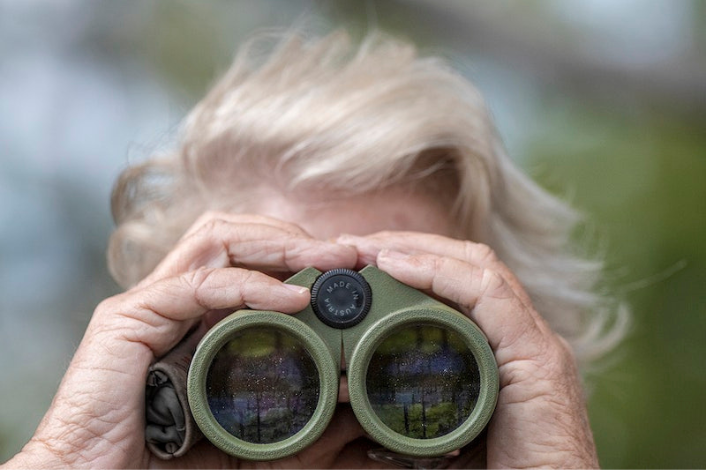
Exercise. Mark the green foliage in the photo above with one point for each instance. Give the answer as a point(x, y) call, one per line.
point(641, 175)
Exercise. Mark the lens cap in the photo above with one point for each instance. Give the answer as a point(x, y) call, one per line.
point(341, 298)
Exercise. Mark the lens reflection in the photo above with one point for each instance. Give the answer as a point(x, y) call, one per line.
point(423, 381)
point(263, 385)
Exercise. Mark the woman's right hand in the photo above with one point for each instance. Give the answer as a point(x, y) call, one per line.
point(97, 416)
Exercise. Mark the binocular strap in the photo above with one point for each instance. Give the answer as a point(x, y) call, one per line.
point(170, 429)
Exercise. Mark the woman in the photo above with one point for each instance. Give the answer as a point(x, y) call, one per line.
point(321, 154)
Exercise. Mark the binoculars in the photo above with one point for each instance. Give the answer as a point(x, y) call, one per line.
point(422, 378)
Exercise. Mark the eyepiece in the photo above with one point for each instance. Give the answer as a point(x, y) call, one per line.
point(341, 298)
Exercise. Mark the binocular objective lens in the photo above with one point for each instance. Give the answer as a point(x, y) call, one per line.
point(263, 385)
point(423, 381)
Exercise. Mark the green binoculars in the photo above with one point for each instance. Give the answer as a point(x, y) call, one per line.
point(422, 378)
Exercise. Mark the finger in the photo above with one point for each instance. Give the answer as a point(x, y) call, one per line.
point(263, 247)
point(513, 330)
point(417, 243)
point(159, 315)
point(175, 262)
point(205, 218)
point(101, 398)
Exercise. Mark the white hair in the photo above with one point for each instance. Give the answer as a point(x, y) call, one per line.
point(323, 113)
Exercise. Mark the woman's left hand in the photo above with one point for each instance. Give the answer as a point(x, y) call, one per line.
point(541, 418)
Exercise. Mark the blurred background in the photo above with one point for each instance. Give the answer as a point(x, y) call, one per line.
point(601, 101)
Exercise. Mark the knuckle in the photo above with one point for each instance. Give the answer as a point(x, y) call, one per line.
point(210, 232)
point(436, 263)
point(385, 234)
point(211, 225)
point(108, 305)
point(559, 356)
point(208, 215)
point(197, 281)
point(492, 283)
point(289, 227)
point(199, 222)
point(566, 352)
point(109, 309)
point(482, 252)
point(206, 284)
point(206, 224)
point(433, 265)
point(111, 315)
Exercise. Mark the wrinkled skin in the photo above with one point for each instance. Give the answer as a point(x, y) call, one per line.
point(220, 265)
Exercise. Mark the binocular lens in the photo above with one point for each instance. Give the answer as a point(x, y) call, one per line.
point(423, 381)
point(263, 385)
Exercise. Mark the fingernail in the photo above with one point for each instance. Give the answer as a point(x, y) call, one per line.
point(297, 289)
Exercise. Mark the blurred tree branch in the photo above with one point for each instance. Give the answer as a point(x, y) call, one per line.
point(523, 37)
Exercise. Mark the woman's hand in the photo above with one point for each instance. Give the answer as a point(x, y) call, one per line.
point(540, 419)
point(97, 416)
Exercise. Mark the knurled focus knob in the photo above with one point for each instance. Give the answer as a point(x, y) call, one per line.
point(341, 298)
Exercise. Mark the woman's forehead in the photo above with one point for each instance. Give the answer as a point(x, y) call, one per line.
point(389, 209)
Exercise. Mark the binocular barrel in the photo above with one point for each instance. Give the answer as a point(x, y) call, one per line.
point(422, 378)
